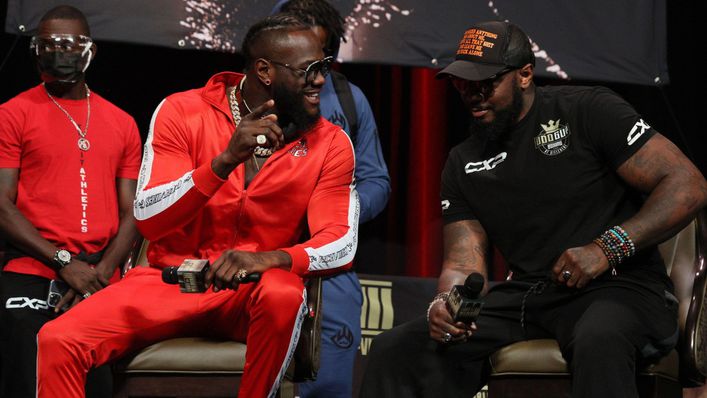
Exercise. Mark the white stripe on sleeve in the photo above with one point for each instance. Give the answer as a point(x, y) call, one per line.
point(153, 201)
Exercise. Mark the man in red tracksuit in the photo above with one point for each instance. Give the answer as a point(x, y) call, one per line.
point(241, 199)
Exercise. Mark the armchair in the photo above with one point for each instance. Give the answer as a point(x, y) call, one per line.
point(201, 367)
point(536, 368)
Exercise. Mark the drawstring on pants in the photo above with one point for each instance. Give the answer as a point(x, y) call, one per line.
point(537, 288)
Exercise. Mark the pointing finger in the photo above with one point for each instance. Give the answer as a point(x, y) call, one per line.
point(261, 111)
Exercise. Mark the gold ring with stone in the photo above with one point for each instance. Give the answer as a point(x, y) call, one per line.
point(241, 274)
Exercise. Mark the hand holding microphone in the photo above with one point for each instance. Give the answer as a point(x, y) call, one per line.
point(454, 320)
point(191, 276)
point(463, 301)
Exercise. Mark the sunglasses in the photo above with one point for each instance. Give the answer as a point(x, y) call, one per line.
point(484, 87)
point(60, 42)
point(309, 73)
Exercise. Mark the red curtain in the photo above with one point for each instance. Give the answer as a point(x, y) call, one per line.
point(419, 120)
point(410, 109)
point(426, 145)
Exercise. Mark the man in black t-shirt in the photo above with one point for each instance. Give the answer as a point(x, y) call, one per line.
point(575, 189)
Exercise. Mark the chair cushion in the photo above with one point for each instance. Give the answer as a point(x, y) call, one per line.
point(183, 355)
point(543, 357)
point(529, 357)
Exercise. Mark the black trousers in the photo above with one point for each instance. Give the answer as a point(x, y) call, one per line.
point(22, 313)
point(603, 331)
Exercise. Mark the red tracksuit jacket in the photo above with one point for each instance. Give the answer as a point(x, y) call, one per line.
point(186, 211)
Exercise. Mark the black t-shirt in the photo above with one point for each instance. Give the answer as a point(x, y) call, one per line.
point(551, 184)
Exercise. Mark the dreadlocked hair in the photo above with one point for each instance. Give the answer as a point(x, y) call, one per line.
point(253, 40)
point(318, 13)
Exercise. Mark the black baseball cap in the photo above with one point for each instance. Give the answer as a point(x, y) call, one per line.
point(487, 48)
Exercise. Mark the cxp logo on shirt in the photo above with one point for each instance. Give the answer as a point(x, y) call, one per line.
point(26, 302)
point(488, 164)
point(637, 131)
point(553, 139)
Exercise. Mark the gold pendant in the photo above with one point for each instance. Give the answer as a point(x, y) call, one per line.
point(84, 145)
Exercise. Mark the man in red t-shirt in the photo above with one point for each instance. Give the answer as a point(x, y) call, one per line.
point(69, 161)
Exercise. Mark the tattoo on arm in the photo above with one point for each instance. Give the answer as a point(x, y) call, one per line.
point(676, 190)
point(465, 248)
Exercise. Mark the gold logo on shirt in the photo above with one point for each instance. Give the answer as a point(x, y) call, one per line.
point(553, 138)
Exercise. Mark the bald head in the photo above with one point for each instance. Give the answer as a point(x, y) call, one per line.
point(69, 13)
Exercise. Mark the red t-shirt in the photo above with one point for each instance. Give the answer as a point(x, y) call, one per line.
point(69, 195)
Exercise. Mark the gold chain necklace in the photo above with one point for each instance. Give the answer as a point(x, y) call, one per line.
point(233, 102)
point(83, 142)
point(235, 111)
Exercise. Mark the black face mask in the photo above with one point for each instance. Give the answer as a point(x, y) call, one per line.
point(66, 67)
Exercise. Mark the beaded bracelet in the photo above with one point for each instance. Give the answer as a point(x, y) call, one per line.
point(616, 245)
point(439, 297)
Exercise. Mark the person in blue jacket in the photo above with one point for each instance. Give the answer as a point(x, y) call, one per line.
point(341, 323)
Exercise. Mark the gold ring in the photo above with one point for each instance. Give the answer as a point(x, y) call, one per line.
point(241, 274)
point(260, 139)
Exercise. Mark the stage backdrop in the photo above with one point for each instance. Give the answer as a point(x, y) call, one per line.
point(603, 40)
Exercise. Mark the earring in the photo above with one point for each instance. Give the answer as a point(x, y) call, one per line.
point(267, 82)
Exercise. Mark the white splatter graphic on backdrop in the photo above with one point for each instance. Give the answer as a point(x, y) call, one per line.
point(540, 54)
point(367, 13)
point(212, 26)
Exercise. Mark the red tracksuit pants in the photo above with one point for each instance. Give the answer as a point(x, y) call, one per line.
point(141, 310)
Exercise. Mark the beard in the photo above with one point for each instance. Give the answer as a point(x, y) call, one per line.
point(292, 115)
point(505, 118)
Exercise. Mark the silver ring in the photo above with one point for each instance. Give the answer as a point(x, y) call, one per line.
point(447, 337)
point(566, 275)
point(86, 295)
point(260, 139)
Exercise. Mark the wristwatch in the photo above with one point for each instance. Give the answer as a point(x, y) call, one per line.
point(62, 258)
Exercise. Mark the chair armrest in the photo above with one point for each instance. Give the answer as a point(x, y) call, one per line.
point(305, 364)
point(692, 348)
point(137, 251)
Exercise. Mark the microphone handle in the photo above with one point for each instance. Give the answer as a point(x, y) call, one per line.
point(169, 275)
point(251, 278)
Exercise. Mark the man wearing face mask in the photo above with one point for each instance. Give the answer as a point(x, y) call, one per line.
point(69, 161)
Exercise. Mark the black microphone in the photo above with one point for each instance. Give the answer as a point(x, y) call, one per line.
point(191, 274)
point(463, 303)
